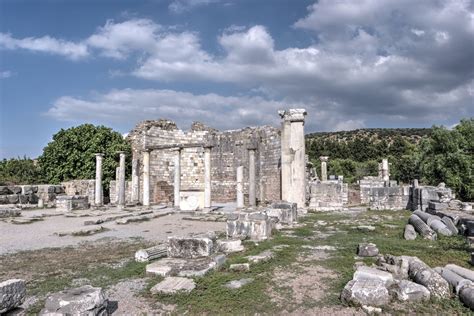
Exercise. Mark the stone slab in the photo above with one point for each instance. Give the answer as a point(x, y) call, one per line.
point(173, 285)
point(84, 300)
point(188, 247)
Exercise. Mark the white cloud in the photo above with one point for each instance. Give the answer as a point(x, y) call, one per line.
point(131, 105)
point(180, 6)
point(45, 44)
point(117, 40)
point(5, 74)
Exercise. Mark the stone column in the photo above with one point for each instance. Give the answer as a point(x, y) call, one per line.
point(385, 170)
point(240, 187)
point(252, 193)
point(293, 162)
point(324, 168)
point(207, 177)
point(121, 191)
point(98, 198)
point(177, 177)
point(135, 181)
point(146, 178)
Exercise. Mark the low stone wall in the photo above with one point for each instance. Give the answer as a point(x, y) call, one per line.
point(389, 198)
point(422, 195)
point(80, 187)
point(30, 194)
point(367, 183)
point(67, 203)
point(328, 195)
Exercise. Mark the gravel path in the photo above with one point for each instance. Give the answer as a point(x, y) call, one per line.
point(38, 235)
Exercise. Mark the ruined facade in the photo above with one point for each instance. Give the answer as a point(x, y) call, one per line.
point(173, 149)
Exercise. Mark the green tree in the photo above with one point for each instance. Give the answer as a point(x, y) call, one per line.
point(71, 154)
point(448, 157)
point(20, 171)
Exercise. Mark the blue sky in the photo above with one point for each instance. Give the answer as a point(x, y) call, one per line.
point(230, 64)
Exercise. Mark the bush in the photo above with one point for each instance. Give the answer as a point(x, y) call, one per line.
point(20, 171)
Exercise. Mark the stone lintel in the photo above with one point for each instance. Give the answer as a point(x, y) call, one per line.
point(175, 146)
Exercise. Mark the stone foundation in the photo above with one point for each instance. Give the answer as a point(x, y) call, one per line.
point(328, 195)
point(68, 203)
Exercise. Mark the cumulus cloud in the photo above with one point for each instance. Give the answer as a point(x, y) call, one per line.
point(45, 44)
point(370, 61)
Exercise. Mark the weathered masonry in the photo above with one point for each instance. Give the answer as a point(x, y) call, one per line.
point(201, 165)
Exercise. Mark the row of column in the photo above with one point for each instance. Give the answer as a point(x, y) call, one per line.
point(252, 183)
point(146, 179)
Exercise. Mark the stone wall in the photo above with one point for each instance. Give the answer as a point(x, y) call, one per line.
point(229, 150)
point(80, 187)
point(30, 194)
point(389, 198)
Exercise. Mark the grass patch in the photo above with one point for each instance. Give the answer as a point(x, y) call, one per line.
point(211, 297)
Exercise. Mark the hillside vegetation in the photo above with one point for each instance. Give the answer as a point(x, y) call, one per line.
point(432, 155)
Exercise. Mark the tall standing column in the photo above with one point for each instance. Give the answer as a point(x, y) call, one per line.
point(293, 156)
point(240, 187)
point(324, 167)
point(121, 191)
point(252, 193)
point(207, 177)
point(177, 177)
point(146, 178)
point(385, 171)
point(135, 181)
point(285, 159)
point(98, 199)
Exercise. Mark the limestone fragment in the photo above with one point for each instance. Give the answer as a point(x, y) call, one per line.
point(237, 284)
point(12, 294)
point(84, 300)
point(188, 247)
point(409, 233)
point(367, 250)
point(229, 245)
point(406, 290)
point(239, 267)
point(367, 273)
point(369, 292)
point(420, 226)
point(261, 257)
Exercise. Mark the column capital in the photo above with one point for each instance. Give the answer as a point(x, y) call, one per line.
point(293, 115)
point(99, 154)
point(324, 158)
point(120, 152)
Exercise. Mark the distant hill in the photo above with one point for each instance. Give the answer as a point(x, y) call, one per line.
point(365, 144)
